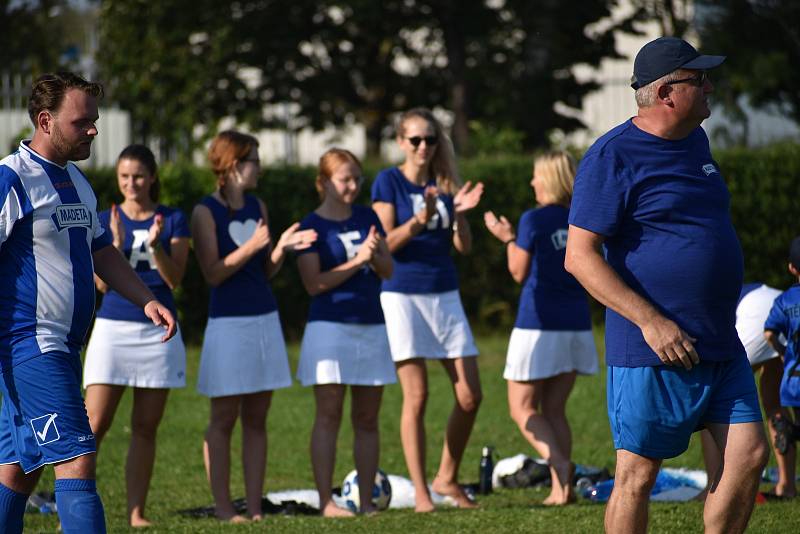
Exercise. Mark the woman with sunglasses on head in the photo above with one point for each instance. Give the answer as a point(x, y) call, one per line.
point(125, 348)
point(422, 206)
point(244, 355)
point(345, 340)
point(552, 339)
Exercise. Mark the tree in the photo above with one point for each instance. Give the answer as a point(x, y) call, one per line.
point(42, 36)
point(175, 73)
point(762, 41)
point(504, 63)
point(344, 60)
point(522, 67)
point(674, 17)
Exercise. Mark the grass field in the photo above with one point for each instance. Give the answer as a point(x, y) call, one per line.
point(179, 479)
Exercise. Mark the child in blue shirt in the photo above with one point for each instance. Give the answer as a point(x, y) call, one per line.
point(784, 319)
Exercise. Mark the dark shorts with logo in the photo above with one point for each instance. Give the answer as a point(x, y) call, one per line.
point(43, 418)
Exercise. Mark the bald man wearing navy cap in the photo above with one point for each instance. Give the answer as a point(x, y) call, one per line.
point(651, 237)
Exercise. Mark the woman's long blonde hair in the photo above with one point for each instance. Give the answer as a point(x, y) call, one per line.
point(443, 165)
point(556, 170)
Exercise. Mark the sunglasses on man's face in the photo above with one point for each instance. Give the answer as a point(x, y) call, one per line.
point(430, 140)
point(697, 81)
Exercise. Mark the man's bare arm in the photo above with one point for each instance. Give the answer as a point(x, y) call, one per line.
point(585, 261)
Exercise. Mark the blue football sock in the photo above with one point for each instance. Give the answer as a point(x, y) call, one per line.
point(79, 506)
point(12, 509)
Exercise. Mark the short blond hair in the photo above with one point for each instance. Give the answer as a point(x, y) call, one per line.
point(556, 170)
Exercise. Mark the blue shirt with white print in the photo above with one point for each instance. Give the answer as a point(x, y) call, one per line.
point(357, 300)
point(246, 292)
point(664, 210)
point(551, 298)
point(136, 251)
point(784, 318)
point(424, 264)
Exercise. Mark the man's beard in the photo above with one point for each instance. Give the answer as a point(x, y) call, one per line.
point(65, 151)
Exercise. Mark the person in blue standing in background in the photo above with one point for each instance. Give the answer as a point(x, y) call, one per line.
point(552, 339)
point(651, 237)
point(755, 302)
point(51, 243)
point(244, 354)
point(784, 320)
point(345, 340)
point(125, 348)
point(422, 206)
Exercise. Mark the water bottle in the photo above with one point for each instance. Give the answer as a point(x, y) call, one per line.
point(601, 491)
point(583, 486)
point(485, 471)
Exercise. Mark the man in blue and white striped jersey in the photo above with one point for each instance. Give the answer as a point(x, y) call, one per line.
point(51, 243)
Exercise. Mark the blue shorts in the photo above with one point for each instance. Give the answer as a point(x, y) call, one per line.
point(43, 418)
point(654, 410)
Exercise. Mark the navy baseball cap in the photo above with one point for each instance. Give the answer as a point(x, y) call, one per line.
point(794, 252)
point(665, 55)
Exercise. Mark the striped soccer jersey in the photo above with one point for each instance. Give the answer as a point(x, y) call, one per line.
point(48, 231)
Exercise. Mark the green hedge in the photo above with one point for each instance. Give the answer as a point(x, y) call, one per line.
point(762, 184)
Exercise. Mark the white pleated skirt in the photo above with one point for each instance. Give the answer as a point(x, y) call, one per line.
point(343, 353)
point(430, 325)
point(130, 353)
point(243, 355)
point(538, 354)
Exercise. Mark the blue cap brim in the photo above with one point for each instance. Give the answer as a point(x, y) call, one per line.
point(704, 62)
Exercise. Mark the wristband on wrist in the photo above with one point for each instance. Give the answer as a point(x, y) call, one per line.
point(154, 247)
point(506, 243)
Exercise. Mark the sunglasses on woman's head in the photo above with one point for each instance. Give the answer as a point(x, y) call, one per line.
point(430, 140)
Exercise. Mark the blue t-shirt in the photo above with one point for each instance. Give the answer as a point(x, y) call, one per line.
point(424, 264)
point(664, 210)
point(551, 298)
point(784, 318)
point(135, 250)
point(247, 291)
point(357, 300)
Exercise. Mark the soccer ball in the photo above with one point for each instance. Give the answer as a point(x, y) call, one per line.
point(381, 491)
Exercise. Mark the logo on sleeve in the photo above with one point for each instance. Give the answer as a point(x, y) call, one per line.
point(45, 429)
point(709, 169)
point(70, 215)
point(559, 239)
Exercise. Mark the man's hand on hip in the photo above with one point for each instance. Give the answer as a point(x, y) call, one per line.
point(672, 345)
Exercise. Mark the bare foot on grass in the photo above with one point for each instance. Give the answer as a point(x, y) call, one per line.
point(140, 522)
point(455, 492)
point(331, 510)
point(561, 493)
point(424, 507)
point(235, 518)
